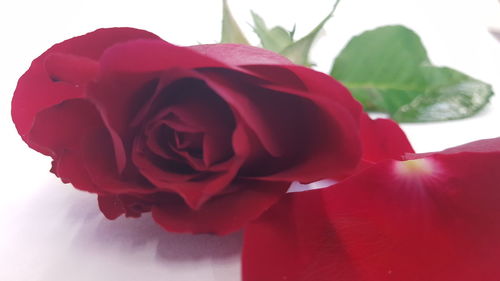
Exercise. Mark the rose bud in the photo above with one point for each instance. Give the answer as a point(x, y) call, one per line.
point(205, 137)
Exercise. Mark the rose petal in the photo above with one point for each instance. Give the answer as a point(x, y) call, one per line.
point(486, 145)
point(383, 139)
point(283, 122)
point(111, 206)
point(69, 68)
point(239, 101)
point(36, 90)
point(62, 127)
point(235, 92)
point(201, 109)
point(160, 169)
point(59, 130)
point(68, 166)
point(152, 56)
point(222, 215)
point(160, 98)
point(126, 99)
point(118, 99)
point(334, 149)
point(277, 76)
point(194, 188)
point(98, 159)
point(295, 241)
point(434, 219)
point(316, 84)
point(238, 55)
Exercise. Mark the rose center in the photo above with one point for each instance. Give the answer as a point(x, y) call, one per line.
point(191, 143)
point(188, 125)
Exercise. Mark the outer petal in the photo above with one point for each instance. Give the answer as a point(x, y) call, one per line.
point(38, 89)
point(295, 241)
point(153, 55)
point(292, 121)
point(341, 149)
point(98, 160)
point(434, 218)
point(113, 206)
point(316, 84)
point(238, 55)
point(59, 130)
point(383, 139)
point(223, 214)
point(486, 146)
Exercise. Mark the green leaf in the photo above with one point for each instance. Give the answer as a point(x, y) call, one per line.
point(275, 39)
point(387, 70)
point(298, 51)
point(451, 95)
point(231, 32)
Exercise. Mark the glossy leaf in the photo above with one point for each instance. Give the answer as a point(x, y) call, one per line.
point(388, 70)
point(231, 32)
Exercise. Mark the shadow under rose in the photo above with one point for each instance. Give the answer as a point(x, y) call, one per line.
point(132, 234)
point(58, 231)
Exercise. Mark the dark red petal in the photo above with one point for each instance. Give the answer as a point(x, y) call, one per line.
point(118, 98)
point(126, 99)
point(63, 126)
point(164, 170)
point(295, 241)
point(436, 218)
point(486, 145)
point(339, 128)
point(68, 166)
point(93, 44)
point(334, 149)
point(383, 139)
point(194, 188)
point(36, 90)
point(316, 84)
point(283, 119)
point(201, 109)
point(69, 68)
point(238, 55)
point(99, 161)
point(168, 82)
point(227, 86)
point(111, 206)
point(59, 131)
point(223, 214)
point(277, 76)
point(151, 56)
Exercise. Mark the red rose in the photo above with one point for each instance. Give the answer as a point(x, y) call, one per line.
point(206, 137)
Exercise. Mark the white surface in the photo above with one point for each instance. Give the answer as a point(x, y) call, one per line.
point(51, 232)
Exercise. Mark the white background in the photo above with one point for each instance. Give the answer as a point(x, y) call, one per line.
point(51, 232)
